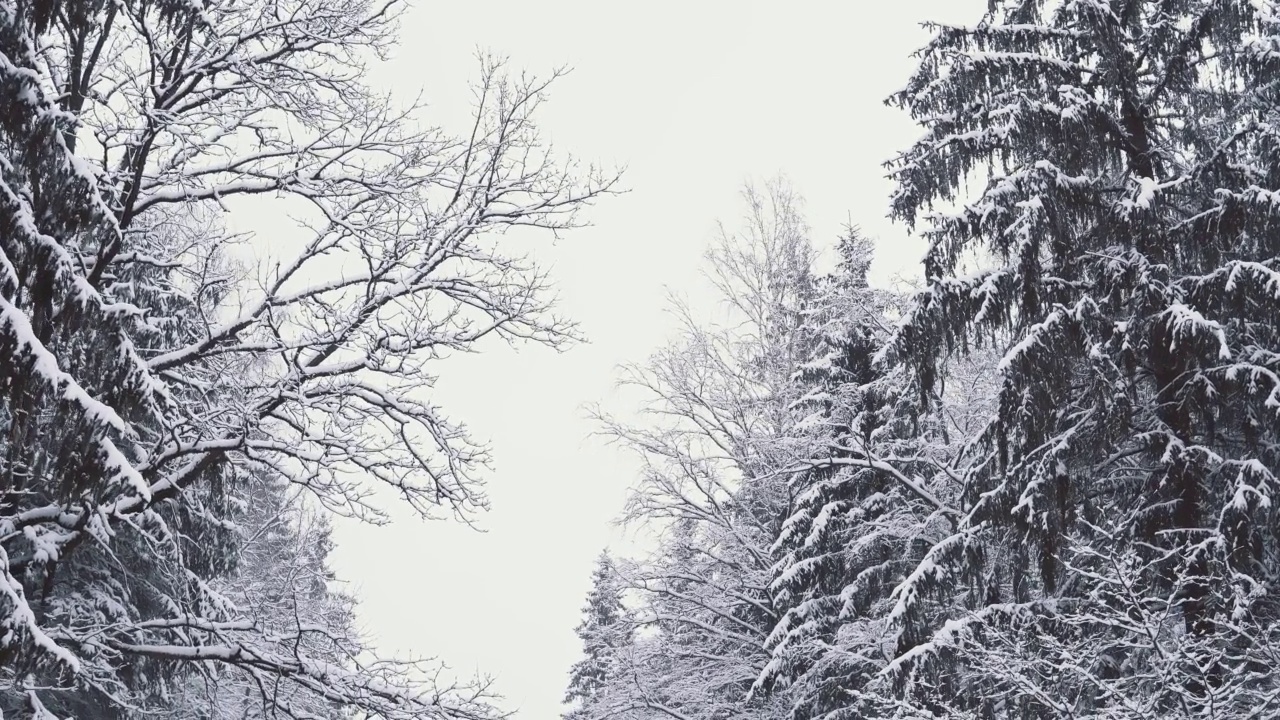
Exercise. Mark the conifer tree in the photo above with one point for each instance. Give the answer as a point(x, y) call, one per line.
point(877, 486)
point(604, 630)
point(1096, 184)
point(846, 325)
point(281, 586)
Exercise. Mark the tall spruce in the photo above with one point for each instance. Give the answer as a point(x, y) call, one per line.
point(604, 631)
point(877, 488)
point(817, 557)
point(1096, 184)
point(73, 387)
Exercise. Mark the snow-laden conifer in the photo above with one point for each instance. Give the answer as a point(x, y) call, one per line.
point(1095, 184)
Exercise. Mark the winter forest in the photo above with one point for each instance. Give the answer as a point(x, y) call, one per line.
point(1033, 480)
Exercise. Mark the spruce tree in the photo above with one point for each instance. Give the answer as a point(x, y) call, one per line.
point(603, 631)
point(1096, 184)
point(73, 387)
point(856, 528)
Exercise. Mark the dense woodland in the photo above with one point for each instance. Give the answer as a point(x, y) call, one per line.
point(1038, 485)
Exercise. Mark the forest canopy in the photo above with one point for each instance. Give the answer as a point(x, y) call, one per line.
point(1039, 484)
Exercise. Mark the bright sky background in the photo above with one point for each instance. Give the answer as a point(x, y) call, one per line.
point(693, 97)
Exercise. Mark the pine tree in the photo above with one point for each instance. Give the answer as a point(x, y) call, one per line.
point(1120, 243)
point(815, 552)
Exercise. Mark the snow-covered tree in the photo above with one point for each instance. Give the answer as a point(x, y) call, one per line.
point(1095, 183)
point(850, 529)
point(284, 594)
point(879, 485)
point(719, 430)
point(605, 630)
point(152, 368)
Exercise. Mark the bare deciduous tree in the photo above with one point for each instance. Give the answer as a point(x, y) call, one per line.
point(717, 429)
point(151, 369)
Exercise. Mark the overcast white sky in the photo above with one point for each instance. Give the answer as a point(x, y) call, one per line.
point(694, 97)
